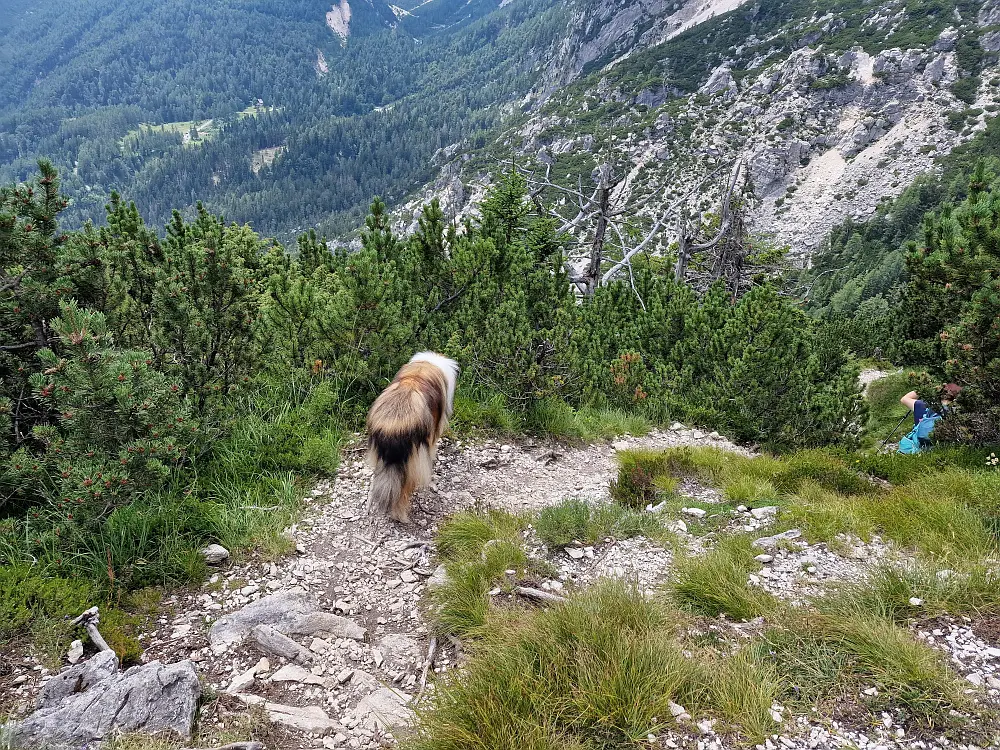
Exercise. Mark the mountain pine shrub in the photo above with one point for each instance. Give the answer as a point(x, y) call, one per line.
point(951, 313)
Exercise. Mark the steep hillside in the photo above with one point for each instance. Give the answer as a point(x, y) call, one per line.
point(835, 107)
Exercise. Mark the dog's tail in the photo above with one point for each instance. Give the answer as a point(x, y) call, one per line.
point(401, 435)
point(386, 486)
point(399, 470)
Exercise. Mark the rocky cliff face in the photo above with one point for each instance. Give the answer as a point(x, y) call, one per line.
point(830, 116)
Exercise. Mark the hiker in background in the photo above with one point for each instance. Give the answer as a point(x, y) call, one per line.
point(924, 418)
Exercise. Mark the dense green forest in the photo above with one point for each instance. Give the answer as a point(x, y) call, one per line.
point(115, 101)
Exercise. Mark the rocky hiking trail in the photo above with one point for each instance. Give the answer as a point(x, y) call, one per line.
point(331, 642)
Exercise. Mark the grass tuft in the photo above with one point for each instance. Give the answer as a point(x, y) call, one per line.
point(478, 550)
point(716, 583)
point(644, 477)
point(576, 520)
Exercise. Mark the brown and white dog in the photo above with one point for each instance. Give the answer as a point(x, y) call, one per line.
point(404, 425)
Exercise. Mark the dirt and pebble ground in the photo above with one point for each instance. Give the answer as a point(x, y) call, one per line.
point(351, 690)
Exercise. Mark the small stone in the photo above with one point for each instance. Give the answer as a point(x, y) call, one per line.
point(916, 601)
point(764, 558)
point(378, 657)
point(20, 679)
point(344, 675)
point(776, 715)
point(676, 427)
point(870, 691)
point(319, 646)
point(811, 569)
point(75, 652)
point(975, 678)
point(677, 711)
point(386, 708)
point(310, 719)
point(767, 511)
point(993, 683)
point(767, 542)
point(678, 526)
point(742, 508)
point(242, 681)
point(215, 554)
point(694, 512)
point(714, 436)
point(575, 552)
point(408, 576)
point(336, 741)
point(295, 673)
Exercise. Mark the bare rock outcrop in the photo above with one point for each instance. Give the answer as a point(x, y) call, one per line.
point(90, 700)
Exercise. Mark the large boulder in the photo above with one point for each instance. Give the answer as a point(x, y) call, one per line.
point(90, 700)
point(288, 613)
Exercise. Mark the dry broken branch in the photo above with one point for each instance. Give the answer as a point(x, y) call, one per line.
point(428, 663)
point(541, 596)
point(89, 619)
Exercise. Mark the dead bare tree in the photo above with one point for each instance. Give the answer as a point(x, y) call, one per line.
point(686, 249)
point(733, 255)
point(607, 211)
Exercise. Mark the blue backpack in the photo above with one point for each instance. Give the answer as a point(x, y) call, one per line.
point(919, 437)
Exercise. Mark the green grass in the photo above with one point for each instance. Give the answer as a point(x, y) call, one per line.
point(827, 659)
point(465, 533)
point(943, 512)
point(717, 583)
point(558, 419)
point(598, 672)
point(478, 549)
point(490, 413)
point(242, 494)
point(751, 491)
point(600, 669)
point(913, 676)
point(643, 478)
point(576, 520)
point(890, 590)
point(38, 608)
point(950, 516)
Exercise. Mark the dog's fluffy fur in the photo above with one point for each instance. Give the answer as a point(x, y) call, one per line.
point(404, 425)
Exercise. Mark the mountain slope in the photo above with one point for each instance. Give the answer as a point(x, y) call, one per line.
point(835, 107)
